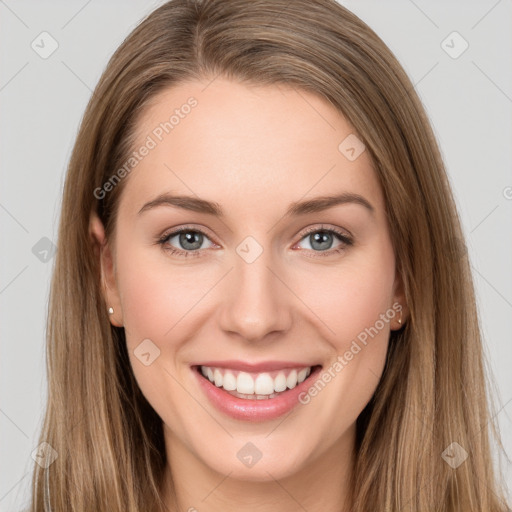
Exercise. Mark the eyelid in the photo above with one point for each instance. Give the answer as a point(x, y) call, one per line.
point(163, 239)
point(187, 227)
point(344, 236)
point(344, 233)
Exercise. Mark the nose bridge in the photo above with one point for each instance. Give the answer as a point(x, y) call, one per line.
point(255, 301)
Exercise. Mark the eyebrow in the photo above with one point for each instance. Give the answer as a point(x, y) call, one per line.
point(315, 205)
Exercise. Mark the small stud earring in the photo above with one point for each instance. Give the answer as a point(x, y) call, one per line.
point(400, 319)
point(111, 311)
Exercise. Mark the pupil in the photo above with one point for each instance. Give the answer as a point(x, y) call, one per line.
point(191, 240)
point(323, 238)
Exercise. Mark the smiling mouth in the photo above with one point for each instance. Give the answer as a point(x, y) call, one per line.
point(256, 386)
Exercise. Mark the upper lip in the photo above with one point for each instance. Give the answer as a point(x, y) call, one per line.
point(264, 366)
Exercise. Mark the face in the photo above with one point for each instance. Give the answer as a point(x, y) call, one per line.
point(285, 302)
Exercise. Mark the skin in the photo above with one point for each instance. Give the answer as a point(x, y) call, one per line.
point(253, 150)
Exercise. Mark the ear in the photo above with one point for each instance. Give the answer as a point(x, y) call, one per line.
point(108, 282)
point(399, 303)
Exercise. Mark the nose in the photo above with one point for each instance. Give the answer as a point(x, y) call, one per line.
point(257, 302)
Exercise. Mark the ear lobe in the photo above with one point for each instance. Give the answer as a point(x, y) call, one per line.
point(103, 253)
point(399, 297)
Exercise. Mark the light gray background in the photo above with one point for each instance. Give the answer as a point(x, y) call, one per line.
point(469, 100)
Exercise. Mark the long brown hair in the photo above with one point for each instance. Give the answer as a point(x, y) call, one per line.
point(107, 438)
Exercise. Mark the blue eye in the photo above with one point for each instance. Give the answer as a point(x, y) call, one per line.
point(321, 240)
point(190, 241)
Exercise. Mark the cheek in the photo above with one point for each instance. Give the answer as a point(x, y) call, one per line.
point(356, 305)
point(147, 298)
point(350, 297)
point(155, 293)
point(155, 298)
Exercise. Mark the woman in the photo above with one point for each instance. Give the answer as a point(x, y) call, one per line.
point(260, 301)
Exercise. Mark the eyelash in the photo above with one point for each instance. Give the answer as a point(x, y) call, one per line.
point(346, 241)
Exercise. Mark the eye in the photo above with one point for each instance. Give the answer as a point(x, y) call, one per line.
point(185, 241)
point(321, 240)
point(189, 241)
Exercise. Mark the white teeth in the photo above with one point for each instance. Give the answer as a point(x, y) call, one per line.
point(252, 397)
point(217, 377)
point(280, 382)
point(229, 383)
point(264, 384)
point(291, 380)
point(257, 387)
point(301, 376)
point(245, 384)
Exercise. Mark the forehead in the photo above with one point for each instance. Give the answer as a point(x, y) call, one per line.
point(246, 147)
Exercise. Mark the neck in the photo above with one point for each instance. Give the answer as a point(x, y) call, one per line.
point(321, 484)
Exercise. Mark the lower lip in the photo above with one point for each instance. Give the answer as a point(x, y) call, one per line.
point(254, 410)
